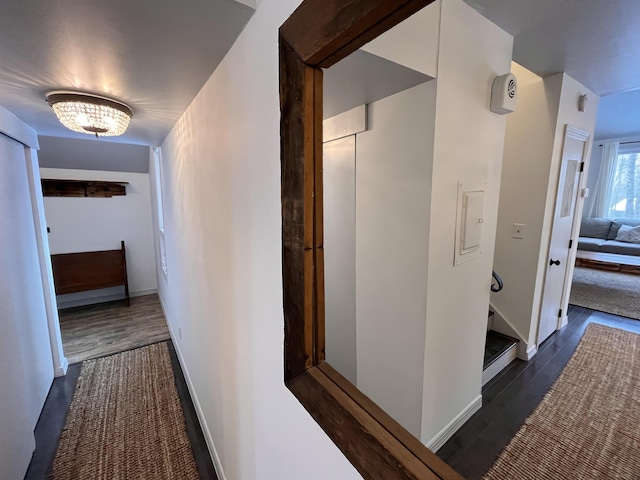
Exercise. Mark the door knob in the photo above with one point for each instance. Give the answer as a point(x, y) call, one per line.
point(554, 262)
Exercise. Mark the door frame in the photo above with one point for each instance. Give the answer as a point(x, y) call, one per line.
point(573, 133)
point(16, 129)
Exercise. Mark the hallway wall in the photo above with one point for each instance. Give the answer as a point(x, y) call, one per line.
point(223, 288)
point(533, 153)
point(89, 224)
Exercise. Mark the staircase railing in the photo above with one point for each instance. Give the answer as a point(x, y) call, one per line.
point(497, 284)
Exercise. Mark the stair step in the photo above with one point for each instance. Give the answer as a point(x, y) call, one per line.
point(499, 351)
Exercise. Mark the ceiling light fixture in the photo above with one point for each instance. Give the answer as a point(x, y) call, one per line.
point(92, 114)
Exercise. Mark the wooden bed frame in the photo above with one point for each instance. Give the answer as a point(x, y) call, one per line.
point(80, 272)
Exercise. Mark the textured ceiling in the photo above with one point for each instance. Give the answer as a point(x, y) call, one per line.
point(156, 55)
point(153, 55)
point(596, 42)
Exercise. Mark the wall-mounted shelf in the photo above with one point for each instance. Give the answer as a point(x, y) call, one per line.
point(82, 188)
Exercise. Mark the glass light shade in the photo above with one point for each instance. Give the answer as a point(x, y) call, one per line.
point(90, 113)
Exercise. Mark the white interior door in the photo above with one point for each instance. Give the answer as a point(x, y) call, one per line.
point(556, 279)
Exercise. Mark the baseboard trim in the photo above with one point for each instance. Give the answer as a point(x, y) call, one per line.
point(531, 351)
point(217, 464)
point(564, 321)
point(142, 293)
point(61, 371)
point(81, 302)
point(449, 431)
point(499, 365)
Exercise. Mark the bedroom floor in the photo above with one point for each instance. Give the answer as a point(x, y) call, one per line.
point(105, 328)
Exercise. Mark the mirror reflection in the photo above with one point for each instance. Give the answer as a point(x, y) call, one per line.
point(427, 191)
point(378, 138)
point(376, 199)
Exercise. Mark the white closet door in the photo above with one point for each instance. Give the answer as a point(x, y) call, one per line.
point(25, 351)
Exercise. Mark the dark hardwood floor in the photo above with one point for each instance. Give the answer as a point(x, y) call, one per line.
point(507, 401)
point(513, 395)
point(54, 412)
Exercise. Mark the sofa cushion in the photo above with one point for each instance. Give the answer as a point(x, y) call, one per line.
point(621, 248)
point(591, 244)
point(618, 222)
point(595, 228)
point(628, 234)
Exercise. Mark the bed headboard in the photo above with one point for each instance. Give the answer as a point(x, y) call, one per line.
point(80, 272)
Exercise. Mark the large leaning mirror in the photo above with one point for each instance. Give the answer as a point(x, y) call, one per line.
point(320, 34)
point(391, 170)
point(377, 143)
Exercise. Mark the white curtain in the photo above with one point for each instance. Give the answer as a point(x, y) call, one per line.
point(602, 192)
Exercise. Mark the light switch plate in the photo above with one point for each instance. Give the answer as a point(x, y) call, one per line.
point(518, 230)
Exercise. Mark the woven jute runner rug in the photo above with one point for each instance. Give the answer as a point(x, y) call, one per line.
point(611, 292)
point(587, 427)
point(125, 421)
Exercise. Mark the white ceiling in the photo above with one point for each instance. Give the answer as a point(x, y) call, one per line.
point(596, 42)
point(153, 55)
point(363, 78)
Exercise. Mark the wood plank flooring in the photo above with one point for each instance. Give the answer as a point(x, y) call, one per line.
point(105, 328)
point(513, 395)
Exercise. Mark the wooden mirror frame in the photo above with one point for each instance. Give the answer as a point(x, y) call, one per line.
point(317, 35)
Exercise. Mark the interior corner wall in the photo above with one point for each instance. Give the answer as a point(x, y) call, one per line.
point(533, 153)
point(413, 42)
point(469, 142)
point(568, 114)
point(523, 190)
point(339, 245)
point(393, 191)
point(223, 289)
point(25, 350)
point(80, 224)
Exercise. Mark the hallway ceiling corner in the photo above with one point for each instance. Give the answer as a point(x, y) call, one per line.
point(154, 55)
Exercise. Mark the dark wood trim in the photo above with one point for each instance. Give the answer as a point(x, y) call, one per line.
point(323, 32)
point(82, 188)
point(318, 237)
point(126, 277)
point(372, 450)
point(297, 176)
point(318, 34)
point(435, 463)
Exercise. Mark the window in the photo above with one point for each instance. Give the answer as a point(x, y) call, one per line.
point(157, 174)
point(624, 200)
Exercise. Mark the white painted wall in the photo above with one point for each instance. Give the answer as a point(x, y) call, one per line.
point(567, 114)
point(525, 176)
point(533, 151)
point(221, 170)
point(92, 154)
point(376, 219)
point(25, 351)
point(89, 224)
point(412, 43)
point(393, 191)
point(339, 214)
point(468, 148)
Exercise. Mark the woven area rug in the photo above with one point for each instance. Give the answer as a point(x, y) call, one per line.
point(587, 426)
point(125, 421)
point(610, 292)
